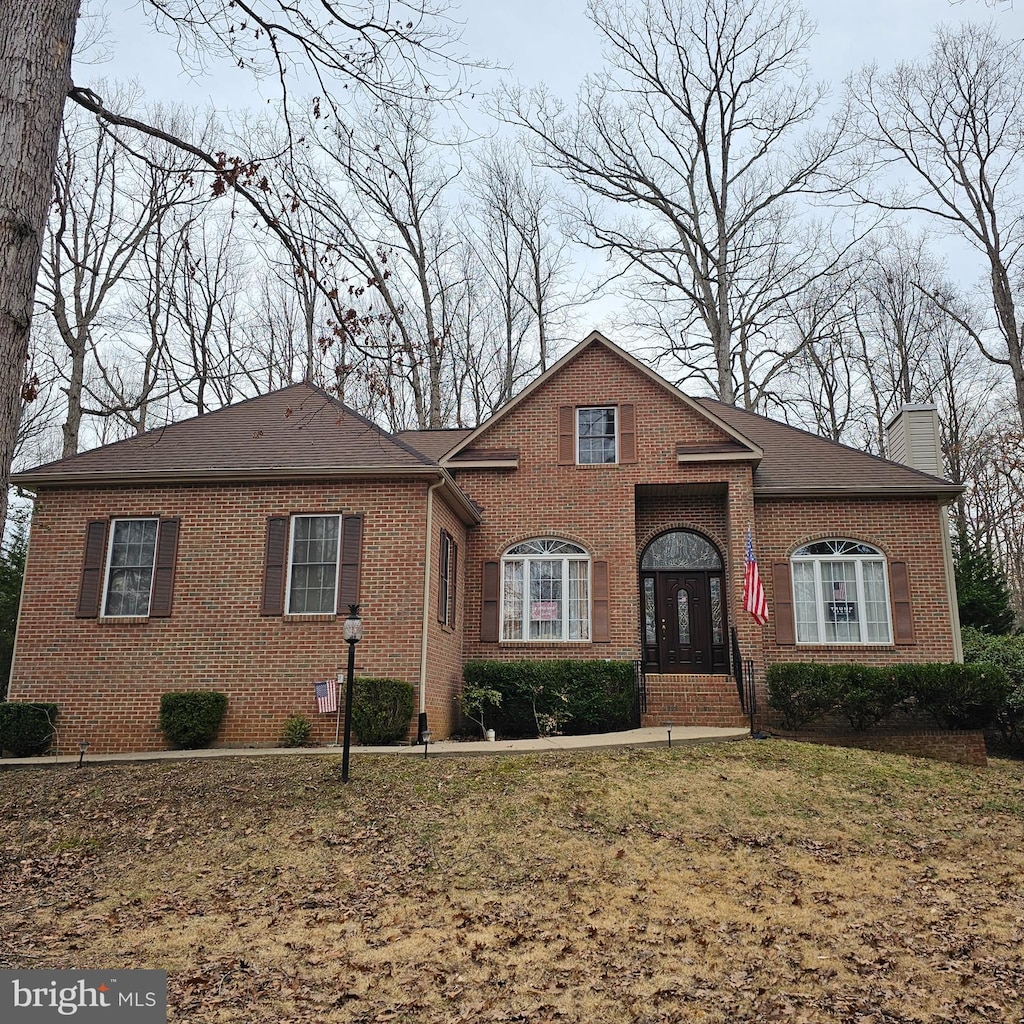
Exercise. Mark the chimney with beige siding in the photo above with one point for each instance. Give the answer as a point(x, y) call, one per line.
point(912, 437)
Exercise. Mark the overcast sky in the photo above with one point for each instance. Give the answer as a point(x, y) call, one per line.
point(551, 41)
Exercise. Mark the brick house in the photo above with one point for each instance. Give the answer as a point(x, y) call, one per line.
point(599, 514)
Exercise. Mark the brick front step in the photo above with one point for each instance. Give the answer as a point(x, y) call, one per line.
point(692, 700)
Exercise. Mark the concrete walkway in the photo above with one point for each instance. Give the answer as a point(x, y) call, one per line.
point(655, 737)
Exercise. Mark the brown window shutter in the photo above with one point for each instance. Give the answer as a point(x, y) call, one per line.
point(453, 577)
point(599, 629)
point(91, 584)
point(566, 435)
point(163, 577)
point(351, 558)
point(902, 619)
point(782, 585)
point(443, 580)
point(274, 562)
point(627, 433)
point(490, 603)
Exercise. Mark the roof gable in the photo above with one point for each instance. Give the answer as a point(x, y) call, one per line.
point(722, 431)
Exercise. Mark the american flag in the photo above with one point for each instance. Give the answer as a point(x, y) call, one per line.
point(326, 696)
point(753, 590)
point(839, 590)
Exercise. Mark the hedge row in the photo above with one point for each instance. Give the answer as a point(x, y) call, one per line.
point(956, 696)
point(546, 698)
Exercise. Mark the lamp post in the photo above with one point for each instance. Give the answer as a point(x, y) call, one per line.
point(352, 631)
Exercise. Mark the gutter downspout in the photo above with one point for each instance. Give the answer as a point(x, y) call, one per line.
point(948, 565)
point(427, 550)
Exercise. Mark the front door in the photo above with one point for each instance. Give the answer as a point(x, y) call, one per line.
point(684, 621)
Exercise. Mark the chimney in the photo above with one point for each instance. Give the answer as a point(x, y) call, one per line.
point(912, 437)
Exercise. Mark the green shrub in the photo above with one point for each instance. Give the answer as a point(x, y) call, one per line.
point(961, 696)
point(802, 692)
point(550, 697)
point(190, 719)
point(867, 695)
point(381, 710)
point(477, 702)
point(296, 731)
point(26, 729)
point(1008, 653)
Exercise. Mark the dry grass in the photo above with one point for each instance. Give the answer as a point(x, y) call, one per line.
point(741, 882)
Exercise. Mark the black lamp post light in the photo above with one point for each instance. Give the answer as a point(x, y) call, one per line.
point(352, 631)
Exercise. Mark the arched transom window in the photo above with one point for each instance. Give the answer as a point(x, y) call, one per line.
point(545, 591)
point(681, 549)
point(840, 594)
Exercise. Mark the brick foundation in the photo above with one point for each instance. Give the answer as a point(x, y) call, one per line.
point(957, 747)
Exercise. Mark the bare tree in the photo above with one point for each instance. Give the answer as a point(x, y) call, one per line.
point(105, 205)
point(691, 148)
point(397, 50)
point(950, 127)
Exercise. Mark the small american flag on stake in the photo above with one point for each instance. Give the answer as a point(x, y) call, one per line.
point(326, 696)
point(753, 590)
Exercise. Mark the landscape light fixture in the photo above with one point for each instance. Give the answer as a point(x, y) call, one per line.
point(82, 748)
point(668, 725)
point(426, 742)
point(352, 631)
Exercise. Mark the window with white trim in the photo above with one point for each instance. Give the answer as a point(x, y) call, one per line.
point(545, 591)
point(596, 437)
point(131, 557)
point(313, 565)
point(840, 594)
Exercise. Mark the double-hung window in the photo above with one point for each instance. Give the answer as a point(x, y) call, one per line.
point(840, 594)
point(131, 557)
point(596, 438)
point(313, 565)
point(545, 591)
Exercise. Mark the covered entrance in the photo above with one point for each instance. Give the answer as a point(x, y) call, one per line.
point(682, 599)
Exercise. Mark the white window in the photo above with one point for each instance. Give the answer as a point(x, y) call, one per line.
point(840, 594)
point(313, 565)
point(545, 591)
point(447, 575)
point(596, 436)
point(130, 559)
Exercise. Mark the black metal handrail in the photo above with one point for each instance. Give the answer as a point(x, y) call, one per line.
point(639, 690)
point(737, 667)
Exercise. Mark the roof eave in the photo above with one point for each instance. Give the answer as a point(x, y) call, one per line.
point(948, 492)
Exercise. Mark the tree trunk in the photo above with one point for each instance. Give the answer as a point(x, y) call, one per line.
point(36, 40)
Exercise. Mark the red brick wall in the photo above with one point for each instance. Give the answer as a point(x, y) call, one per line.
point(957, 747)
point(107, 676)
point(904, 529)
point(595, 506)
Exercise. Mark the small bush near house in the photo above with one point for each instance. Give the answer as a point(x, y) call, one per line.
point(296, 731)
point(961, 696)
point(867, 695)
point(381, 710)
point(26, 729)
point(802, 692)
point(1008, 653)
point(549, 697)
point(190, 719)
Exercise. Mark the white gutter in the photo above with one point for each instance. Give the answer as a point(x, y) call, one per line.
point(427, 549)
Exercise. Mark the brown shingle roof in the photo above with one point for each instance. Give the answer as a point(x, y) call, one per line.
point(434, 443)
point(797, 461)
point(300, 430)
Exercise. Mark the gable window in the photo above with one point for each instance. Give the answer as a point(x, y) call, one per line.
point(131, 558)
point(545, 592)
point(313, 565)
point(596, 436)
point(448, 567)
point(840, 594)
